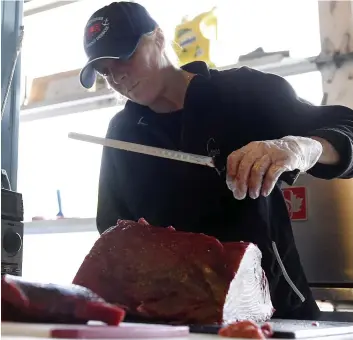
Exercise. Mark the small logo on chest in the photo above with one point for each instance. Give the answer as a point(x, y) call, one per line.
point(212, 148)
point(214, 151)
point(141, 121)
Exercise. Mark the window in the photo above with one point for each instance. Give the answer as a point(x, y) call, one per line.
point(55, 257)
point(54, 39)
point(50, 161)
point(244, 26)
point(308, 86)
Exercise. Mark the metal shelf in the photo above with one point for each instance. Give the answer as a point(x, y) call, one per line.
point(273, 64)
point(39, 6)
point(65, 225)
point(283, 67)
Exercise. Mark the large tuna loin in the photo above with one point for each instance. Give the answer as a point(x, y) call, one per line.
point(24, 301)
point(172, 276)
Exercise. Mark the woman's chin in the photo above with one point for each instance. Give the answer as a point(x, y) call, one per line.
point(145, 99)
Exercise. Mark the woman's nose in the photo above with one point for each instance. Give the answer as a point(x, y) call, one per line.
point(118, 78)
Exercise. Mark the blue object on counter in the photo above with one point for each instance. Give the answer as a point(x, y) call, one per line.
point(60, 213)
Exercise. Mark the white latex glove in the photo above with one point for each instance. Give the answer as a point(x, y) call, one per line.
point(256, 167)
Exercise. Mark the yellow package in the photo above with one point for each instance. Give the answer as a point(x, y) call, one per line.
point(194, 38)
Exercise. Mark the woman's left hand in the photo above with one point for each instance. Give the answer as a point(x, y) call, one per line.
point(256, 167)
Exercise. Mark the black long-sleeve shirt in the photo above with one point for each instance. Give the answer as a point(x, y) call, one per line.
point(223, 111)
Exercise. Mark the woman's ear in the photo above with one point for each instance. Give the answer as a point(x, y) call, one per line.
point(160, 38)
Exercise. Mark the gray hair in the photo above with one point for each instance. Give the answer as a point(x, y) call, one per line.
point(170, 53)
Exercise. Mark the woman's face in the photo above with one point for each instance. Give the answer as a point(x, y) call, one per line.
point(138, 78)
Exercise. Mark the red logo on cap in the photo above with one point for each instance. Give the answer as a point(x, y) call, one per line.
point(95, 28)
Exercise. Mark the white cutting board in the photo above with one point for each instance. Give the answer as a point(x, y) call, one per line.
point(95, 330)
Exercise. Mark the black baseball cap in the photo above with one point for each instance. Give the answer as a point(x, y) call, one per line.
point(113, 32)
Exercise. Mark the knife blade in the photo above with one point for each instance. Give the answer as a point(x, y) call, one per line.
point(144, 149)
point(214, 162)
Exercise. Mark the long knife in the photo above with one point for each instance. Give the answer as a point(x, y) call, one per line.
point(288, 177)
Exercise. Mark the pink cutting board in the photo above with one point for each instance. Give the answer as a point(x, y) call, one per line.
point(94, 331)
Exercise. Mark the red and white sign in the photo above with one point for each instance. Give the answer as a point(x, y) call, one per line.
point(296, 202)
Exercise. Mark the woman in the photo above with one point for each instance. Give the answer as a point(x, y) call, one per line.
point(252, 120)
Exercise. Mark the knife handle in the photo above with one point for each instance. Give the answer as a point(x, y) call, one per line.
point(289, 177)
